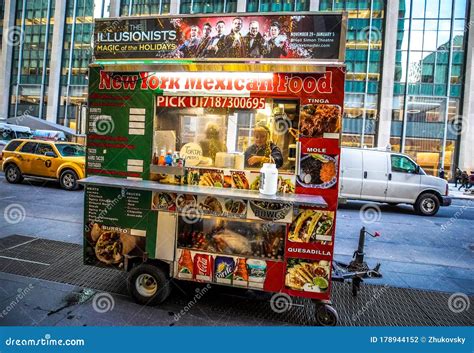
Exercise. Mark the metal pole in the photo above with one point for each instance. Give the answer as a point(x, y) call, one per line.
point(366, 87)
point(359, 257)
point(405, 103)
point(20, 55)
point(448, 88)
point(71, 51)
point(130, 4)
point(45, 57)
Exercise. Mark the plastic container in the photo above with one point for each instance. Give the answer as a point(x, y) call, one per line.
point(161, 160)
point(268, 179)
point(169, 158)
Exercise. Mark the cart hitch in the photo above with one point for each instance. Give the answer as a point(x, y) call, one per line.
point(357, 269)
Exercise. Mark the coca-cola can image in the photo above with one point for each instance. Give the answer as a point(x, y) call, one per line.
point(203, 267)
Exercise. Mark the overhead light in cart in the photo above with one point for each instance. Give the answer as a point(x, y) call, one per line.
point(179, 93)
point(214, 74)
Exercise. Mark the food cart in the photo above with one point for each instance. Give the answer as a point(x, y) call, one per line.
point(182, 114)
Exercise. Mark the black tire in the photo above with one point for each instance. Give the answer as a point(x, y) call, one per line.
point(13, 174)
point(153, 277)
point(68, 180)
point(326, 315)
point(427, 204)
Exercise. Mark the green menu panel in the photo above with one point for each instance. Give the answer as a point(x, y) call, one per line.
point(118, 224)
point(119, 127)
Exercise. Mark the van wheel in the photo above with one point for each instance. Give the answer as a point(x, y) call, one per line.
point(148, 284)
point(427, 204)
point(68, 180)
point(13, 174)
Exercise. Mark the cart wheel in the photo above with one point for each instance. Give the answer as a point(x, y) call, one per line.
point(326, 315)
point(148, 284)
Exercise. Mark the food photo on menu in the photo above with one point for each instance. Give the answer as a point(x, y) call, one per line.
point(311, 226)
point(308, 275)
point(108, 245)
point(319, 120)
point(317, 170)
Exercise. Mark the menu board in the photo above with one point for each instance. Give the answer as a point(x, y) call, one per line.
point(119, 131)
point(117, 223)
point(215, 37)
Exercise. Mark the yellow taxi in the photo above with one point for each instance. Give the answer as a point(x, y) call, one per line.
point(50, 160)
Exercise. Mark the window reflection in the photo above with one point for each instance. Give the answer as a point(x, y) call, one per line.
point(232, 138)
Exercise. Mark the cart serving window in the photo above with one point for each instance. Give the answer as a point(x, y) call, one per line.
point(184, 116)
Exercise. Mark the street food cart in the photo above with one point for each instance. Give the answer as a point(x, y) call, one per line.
point(182, 114)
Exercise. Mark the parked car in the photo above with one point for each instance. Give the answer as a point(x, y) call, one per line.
point(61, 161)
point(385, 176)
point(10, 131)
point(49, 135)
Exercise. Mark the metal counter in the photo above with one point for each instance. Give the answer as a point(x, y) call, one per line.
point(295, 199)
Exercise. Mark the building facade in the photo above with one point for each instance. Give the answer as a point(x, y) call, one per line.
point(410, 77)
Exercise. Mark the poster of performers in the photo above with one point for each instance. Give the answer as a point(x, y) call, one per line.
point(312, 37)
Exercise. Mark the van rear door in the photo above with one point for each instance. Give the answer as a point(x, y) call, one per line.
point(351, 173)
point(375, 166)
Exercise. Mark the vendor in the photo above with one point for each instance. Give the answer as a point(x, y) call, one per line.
point(212, 144)
point(263, 150)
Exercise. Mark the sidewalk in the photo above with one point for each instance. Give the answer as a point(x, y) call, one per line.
point(45, 283)
point(461, 195)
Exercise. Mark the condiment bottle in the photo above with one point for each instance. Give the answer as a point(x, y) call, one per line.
point(161, 161)
point(268, 179)
point(169, 158)
point(175, 158)
point(155, 156)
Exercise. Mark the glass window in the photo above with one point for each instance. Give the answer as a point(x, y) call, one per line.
point(233, 138)
point(418, 9)
point(29, 147)
point(429, 42)
point(443, 40)
point(12, 145)
point(71, 150)
point(43, 148)
point(445, 9)
point(444, 25)
point(432, 8)
point(460, 9)
point(402, 164)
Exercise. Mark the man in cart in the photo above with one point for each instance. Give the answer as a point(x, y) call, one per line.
point(263, 150)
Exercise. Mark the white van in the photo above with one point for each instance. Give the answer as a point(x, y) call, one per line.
point(385, 176)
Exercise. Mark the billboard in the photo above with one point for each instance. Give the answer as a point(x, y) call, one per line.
point(216, 38)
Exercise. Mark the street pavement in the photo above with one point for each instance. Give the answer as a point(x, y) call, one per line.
point(428, 253)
